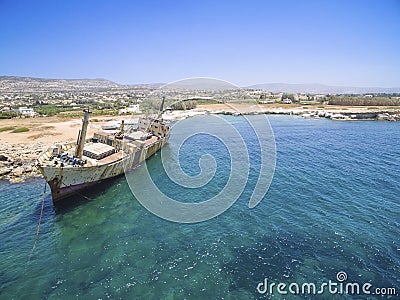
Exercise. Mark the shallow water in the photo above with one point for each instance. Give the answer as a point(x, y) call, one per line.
point(333, 205)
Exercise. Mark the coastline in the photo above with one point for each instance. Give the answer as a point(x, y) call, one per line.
point(19, 151)
point(309, 111)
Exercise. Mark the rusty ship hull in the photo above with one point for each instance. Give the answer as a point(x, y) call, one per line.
point(105, 156)
point(66, 182)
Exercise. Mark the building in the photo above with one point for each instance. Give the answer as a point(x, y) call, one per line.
point(25, 112)
point(133, 108)
point(287, 101)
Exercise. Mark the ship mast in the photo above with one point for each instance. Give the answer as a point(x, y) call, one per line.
point(82, 135)
point(160, 112)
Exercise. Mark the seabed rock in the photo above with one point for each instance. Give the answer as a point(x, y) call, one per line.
point(18, 171)
point(5, 171)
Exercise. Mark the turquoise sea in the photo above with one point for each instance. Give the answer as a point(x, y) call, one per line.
point(333, 206)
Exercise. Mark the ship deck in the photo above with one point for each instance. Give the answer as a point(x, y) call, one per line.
point(111, 158)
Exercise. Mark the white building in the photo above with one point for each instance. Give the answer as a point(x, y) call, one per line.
point(26, 112)
point(133, 108)
point(287, 101)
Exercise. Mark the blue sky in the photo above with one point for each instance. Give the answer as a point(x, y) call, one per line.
point(245, 42)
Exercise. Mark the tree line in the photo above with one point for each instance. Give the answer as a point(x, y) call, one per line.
point(184, 105)
point(363, 101)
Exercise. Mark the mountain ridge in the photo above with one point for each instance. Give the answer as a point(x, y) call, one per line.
point(33, 84)
point(25, 83)
point(25, 78)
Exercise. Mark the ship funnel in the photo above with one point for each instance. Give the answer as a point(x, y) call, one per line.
point(80, 144)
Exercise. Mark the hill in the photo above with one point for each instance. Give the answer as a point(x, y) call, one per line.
point(30, 84)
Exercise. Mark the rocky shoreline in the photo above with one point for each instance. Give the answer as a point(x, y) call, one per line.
point(341, 115)
point(18, 161)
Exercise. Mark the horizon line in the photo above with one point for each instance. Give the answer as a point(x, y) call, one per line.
point(205, 77)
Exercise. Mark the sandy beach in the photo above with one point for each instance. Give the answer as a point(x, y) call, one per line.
point(49, 130)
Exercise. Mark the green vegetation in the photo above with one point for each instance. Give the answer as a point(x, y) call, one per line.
point(21, 129)
point(7, 115)
point(363, 101)
point(8, 128)
point(152, 105)
point(95, 112)
point(288, 96)
point(206, 101)
point(184, 105)
point(52, 109)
